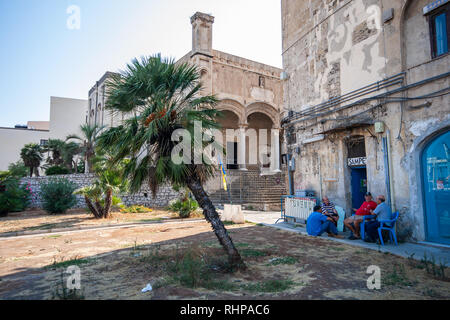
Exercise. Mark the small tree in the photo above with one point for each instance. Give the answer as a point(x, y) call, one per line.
point(103, 193)
point(31, 155)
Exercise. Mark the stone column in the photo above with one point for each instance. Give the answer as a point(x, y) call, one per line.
point(275, 150)
point(242, 153)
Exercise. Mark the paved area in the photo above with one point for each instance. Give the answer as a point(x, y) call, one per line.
point(441, 254)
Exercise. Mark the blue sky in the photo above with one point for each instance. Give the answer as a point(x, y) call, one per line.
point(41, 57)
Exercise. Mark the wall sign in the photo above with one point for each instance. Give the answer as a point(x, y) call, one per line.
point(434, 5)
point(355, 162)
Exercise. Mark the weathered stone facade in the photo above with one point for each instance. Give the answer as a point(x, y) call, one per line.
point(351, 71)
point(144, 197)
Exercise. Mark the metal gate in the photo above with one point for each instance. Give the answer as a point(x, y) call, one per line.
point(296, 208)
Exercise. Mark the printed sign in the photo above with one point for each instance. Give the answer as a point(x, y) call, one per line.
point(354, 162)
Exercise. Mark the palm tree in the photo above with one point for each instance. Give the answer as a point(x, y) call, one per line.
point(108, 185)
point(55, 147)
point(90, 134)
point(160, 98)
point(70, 150)
point(31, 155)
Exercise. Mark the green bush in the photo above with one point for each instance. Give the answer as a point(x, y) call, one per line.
point(184, 207)
point(13, 196)
point(57, 195)
point(56, 170)
point(18, 169)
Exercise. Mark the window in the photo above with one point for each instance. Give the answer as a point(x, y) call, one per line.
point(43, 142)
point(440, 31)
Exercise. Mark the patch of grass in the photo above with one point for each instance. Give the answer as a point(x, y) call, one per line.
point(283, 260)
point(136, 209)
point(56, 236)
point(68, 263)
point(336, 248)
point(269, 286)
point(253, 253)
point(397, 277)
point(242, 245)
point(432, 268)
point(149, 220)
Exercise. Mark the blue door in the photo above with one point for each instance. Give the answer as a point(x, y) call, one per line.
point(436, 186)
point(359, 186)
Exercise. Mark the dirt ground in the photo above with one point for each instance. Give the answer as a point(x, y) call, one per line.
point(119, 263)
point(33, 220)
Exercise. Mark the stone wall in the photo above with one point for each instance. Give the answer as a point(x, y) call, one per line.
point(143, 197)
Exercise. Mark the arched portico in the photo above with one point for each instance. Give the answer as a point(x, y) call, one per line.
point(248, 146)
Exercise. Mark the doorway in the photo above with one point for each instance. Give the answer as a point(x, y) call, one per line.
point(356, 150)
point(358, 185)
point(436, 188)
point(232, 155)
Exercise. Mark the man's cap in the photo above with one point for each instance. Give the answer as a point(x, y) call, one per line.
point(368, 194)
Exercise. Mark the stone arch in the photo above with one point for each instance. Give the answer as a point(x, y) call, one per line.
point(233, 106)
point(265, 109)
point(417, 209)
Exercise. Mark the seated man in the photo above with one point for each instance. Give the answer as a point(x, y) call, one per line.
point(354, 222)
point(319, 223)
point(383, 212)
point(329, 210)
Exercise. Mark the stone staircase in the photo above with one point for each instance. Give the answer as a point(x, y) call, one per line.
point(250, 189)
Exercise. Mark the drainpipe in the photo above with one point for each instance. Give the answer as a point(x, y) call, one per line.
point(387, 175)
point(388, 170)
point(289, 156)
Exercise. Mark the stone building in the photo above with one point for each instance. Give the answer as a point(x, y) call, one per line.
point(367, 106)
point(250, 97)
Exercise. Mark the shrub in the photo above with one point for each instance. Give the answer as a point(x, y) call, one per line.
point(184, 207)
point(56, 170)
point(13, 196)
point(18, 169)
point(57, 195)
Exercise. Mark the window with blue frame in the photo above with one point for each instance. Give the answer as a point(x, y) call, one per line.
point(440, 30)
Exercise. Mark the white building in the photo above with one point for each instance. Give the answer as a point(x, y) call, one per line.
point(66, 116)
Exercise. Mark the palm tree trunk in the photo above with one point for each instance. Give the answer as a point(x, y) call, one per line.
point(212, 217)
point(92, 208)
point(108, 203)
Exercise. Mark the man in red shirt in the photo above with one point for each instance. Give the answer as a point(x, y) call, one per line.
point(353, 222)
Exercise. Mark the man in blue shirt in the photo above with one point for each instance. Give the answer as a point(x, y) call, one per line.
point(382, 212)
point(319, 223)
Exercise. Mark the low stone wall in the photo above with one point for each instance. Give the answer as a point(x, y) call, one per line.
point(144, 197)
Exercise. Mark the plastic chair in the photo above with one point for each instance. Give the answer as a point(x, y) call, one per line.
point(384, 225)
point(341, 213)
